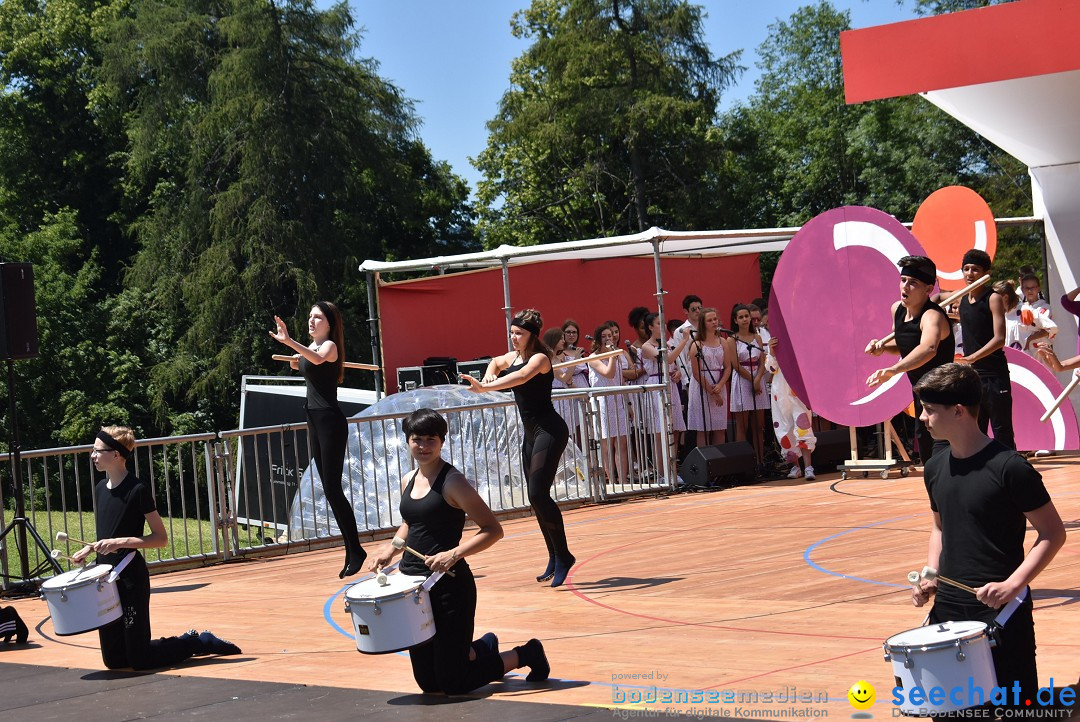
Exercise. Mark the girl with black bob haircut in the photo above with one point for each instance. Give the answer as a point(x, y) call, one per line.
point(436, 499)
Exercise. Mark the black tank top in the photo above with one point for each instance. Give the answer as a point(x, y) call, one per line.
point(434, 525)
point(908, 336)
point(977, 324)
point(534, 396)
point(322, 382)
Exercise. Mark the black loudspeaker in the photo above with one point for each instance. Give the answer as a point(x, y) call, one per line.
point(707, 465)
point(18, 316)
point(833, 449)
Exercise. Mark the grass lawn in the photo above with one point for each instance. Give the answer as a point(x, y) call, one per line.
point(187, 537)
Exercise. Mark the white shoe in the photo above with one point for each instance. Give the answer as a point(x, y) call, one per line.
point(795, 472)
point(809, 473)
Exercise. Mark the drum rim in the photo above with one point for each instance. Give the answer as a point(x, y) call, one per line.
point(100, 573)
point(362, 596)
point(969, 637)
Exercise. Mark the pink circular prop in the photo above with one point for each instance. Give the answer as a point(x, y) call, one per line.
point(1034, 389)
point(832, 292)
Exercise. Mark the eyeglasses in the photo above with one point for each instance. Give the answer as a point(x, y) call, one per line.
point(103, 451)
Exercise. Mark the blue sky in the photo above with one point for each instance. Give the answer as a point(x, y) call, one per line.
point(452, 57)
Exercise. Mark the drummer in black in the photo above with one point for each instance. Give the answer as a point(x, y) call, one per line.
point(984, 496)
point(124, 507)
point(922, 336)
point(982, 323)
point(527, 370)
point(434, 505)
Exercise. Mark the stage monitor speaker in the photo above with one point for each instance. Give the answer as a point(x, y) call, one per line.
point(475, 368)
point(833, 449)
point(18, 316)
point(708, 465)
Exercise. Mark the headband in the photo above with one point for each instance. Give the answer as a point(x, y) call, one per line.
point(530, 326)
point(920, 271)
point(114, 444)
point(977, 258)
point(950, 396)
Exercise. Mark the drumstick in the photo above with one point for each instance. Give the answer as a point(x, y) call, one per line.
point(1061, 399)
point(931, 574)
point(399, 543)
point(63, 536)
point(55, 554)
point(584, 359)
point(346, 364)
point(947, 300)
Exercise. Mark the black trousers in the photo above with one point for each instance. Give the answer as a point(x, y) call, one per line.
point(995, 408)
point(1014, 657)
point(126, 642)
point(442, 664)
point(541, 451)
point(329, 437)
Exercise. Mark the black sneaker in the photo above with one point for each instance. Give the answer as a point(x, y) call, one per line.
point(211, 644)
point(12, 625)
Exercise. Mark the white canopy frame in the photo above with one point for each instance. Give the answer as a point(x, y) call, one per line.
point(655, 242)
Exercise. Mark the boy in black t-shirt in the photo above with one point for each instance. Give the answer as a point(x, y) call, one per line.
point(983, 495)
point(124, 505)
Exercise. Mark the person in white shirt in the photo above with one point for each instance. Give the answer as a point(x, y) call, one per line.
point(1033, 317)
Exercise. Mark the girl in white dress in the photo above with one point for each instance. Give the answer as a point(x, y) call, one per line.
point(710, 368)
point(553, 338)
point(613, 428)
point(748, 394)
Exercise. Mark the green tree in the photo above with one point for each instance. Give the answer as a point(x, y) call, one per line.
point(54, 153)
point(605, 129)
point(271, 160)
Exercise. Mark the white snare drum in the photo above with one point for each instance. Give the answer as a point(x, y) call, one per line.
point(946, 655)
point(82, 600)
point(391, 618)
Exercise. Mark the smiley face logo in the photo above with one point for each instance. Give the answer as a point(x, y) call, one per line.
point(862, 695)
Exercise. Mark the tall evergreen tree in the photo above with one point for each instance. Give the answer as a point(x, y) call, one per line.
point(605, 129)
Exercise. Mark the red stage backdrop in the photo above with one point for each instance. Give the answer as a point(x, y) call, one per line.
point(460, 314)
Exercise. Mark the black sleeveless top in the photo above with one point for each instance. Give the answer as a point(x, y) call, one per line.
point(977, 324)
point(322, 380)
point(434, 525)
point(534, 396)
point(908, 336)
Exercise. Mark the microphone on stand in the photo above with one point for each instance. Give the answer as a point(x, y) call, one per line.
point(632, 350)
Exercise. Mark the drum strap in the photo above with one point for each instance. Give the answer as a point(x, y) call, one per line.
point(115, 573)
point(430, 581)
point(1011, 607)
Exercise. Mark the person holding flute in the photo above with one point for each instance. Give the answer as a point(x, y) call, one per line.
point(922, 336)
point(322, 364)
point(526, 370)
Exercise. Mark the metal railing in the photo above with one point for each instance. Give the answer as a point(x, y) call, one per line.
point(254, 491)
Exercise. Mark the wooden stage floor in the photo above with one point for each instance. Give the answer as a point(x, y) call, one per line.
point(787, 587)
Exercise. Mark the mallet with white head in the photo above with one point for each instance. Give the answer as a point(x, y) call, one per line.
point(55, 554)
point(930, 574)
point(399, 543)
point(63, 536)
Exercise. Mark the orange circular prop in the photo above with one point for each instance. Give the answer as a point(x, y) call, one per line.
point(948, 224)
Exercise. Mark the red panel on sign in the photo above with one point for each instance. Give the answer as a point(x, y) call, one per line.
point(1001, 42)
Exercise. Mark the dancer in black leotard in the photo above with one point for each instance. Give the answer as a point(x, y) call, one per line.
point(322, 364)
point(434, 504)
point(527, 370)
